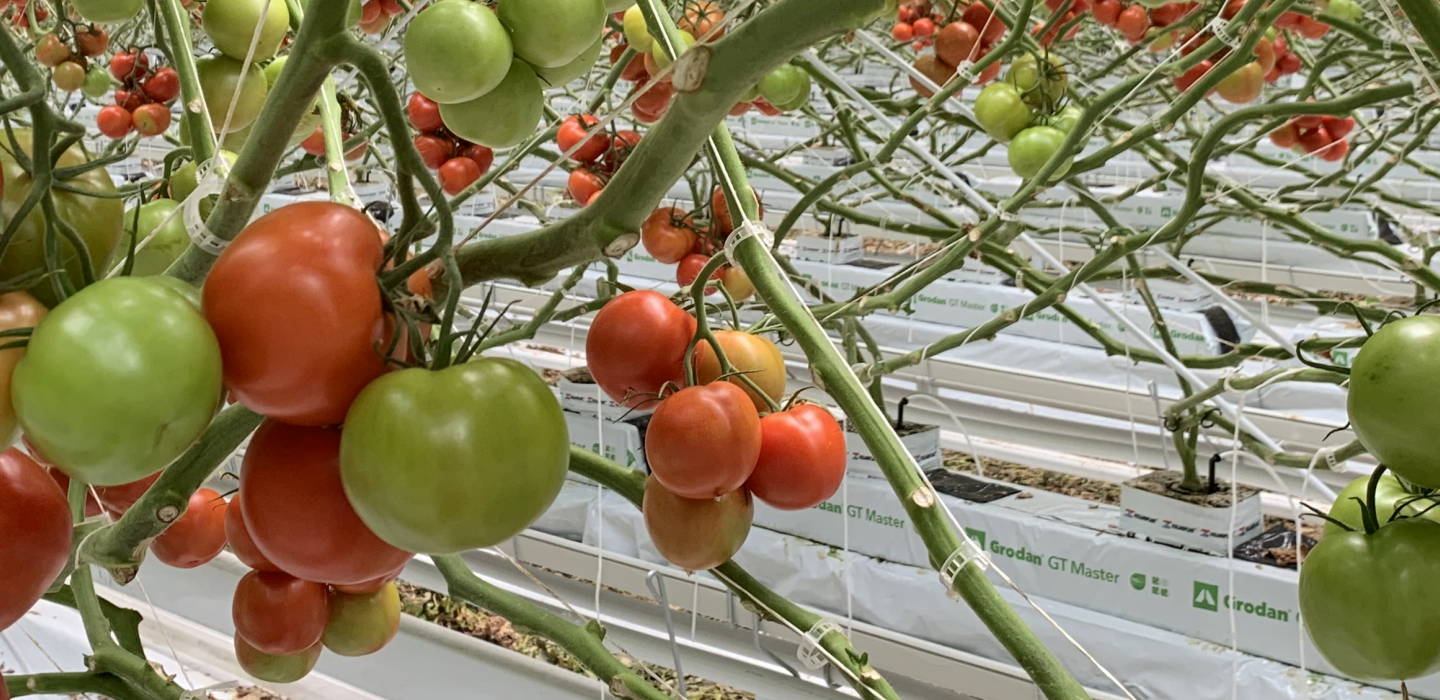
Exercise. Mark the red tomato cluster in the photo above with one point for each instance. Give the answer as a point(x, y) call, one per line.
point(1077, 8)
point(375, 15)
point(142, 98)
point(707, 446)
point(1325, 136)
point(20, 17)
point(1286, 62)
point(672, 236)
point(968, 38)
point(459, 162)
point(597, 158)
point(1134, 21)
point(1304, 25)
point(1246, 83)
point(69, 63)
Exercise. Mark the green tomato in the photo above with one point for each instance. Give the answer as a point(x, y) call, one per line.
point(457, 51)
point(184, 289)
point(272, 71)
point(552, 33)
point(271, 668)
point(1389, 494)
point(169, 242)
point(1032, 148)
point(505, 116)
point(1370, 602)
point(463, 458)
point(362, 623)
point(118, 381)
point(784, 85)
point(555, 77)
point(1041, 86)
point(662, 59)
point(108, 11)
point(1347, 10)
point(99, 220)
point(1152, 4)
point(219, 76)
point(637, 31)
point(1066, 119)
point(1394, 401)
point(97, 83)
point(613, 6)
point(802, 98)
point(231, 25)
point(751, 95)
point(183, 181)
point(1002, 112)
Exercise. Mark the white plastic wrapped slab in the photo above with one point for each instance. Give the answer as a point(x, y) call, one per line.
point(1155, 664)
point(617, 442)
point(923, 445)
point(1066, 549)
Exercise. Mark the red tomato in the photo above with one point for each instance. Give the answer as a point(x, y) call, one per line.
point(278, 613)
point(34, 533)
point(740, 109)
point(584, 184)
point(720, 211)
point(703, 441)
point(572, 133)
point(1288, 64)
point(1338, 128)
point(802, 458)
point(957, 42)
point(130, 65)
point(1285, 137)
point(291, 481)
point(163, 86)
point(766, 108)
point(1107, 12)
point(391, 7)
point(433, 150)
point(237, 534)
point(314, 144)
point(651, 105)
point(668, 235)
point(92, 506)
point(978, 15)
point(1265, 55)
point(1336, 151)
point(1288, 20)
point(1313, 140)
point(690, 268)
point(129, 99)
point(93, 40)
point(423, 112)
point(701, 18)
point(1133, 23)
point(482, 155)
point(1244, 85)
point(636, 345)
point(923, 27)
point(696, 534)
point(151, 119)
point(114, 121)
point(1168, 14)
point(634, 71)
point(621, 145)
point(1189, 77)
point(198, 536)
point(458, 173)
point(1311, 28)
point(118, 499)
point(370, 586)
point(309, 265)
point(902, 31)
point(1308, 121)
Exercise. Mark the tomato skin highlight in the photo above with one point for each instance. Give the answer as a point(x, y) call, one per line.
point(310, 265)
point(494, 467)
point(758, 357)
point(198, 536)
point(35, 531)
point(118, 381)
point(802, 458)
point(1369, 602)
point(703, 441)
point(692, 534)
point(637, 344)
point(291, 481)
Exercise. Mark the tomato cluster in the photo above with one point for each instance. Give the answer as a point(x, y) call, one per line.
point(598, 157)
point(20, 16)
point(1024, 110)
point(707, 446)
point(375, 15)
point(459, 162)
point(1247, 82)
point(1325, 136)
point(673, 236)
point(1076, 8)
point(141, 101)
point(492, 92)
point(966, 38)
point(69, 61)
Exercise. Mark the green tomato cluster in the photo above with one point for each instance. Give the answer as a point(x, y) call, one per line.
point(491, 91)
point(1023, 111)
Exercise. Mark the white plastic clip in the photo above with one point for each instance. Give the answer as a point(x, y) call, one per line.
point(210, 177)
point(745, 231)
point(969, 552)
point(204, 693)
point(810, 652)
point(1217, 27)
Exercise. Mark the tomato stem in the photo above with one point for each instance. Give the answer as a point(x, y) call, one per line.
point(1368, 510)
